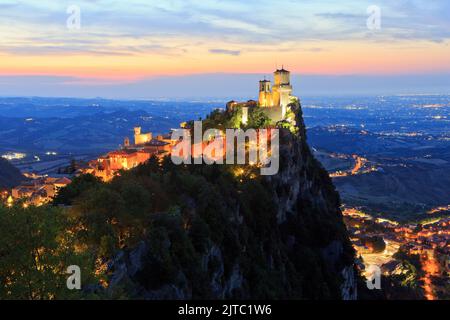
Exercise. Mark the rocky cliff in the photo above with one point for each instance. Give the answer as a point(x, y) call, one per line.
point(279, 237)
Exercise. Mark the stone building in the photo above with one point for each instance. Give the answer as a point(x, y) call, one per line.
point(272, 99)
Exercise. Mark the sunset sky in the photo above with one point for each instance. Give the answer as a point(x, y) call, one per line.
point(132, 44)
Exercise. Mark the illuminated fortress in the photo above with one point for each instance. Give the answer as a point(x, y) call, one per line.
point(279, 94)
point(273, 99)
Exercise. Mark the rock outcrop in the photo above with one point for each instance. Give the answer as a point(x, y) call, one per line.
point(301, 252)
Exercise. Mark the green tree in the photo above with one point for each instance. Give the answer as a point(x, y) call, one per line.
point(35, 252)
point(258, 119)
point(79, 185)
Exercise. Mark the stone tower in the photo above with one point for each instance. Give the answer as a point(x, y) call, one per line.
point(141, 138)
point(282, 89)
point(265, 94)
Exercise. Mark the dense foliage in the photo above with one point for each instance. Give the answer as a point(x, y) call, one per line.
point(36, 249)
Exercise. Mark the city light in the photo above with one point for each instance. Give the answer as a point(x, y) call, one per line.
point(14, 156)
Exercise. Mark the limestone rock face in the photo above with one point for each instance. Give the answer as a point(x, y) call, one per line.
point(302, 183)
point(306, 253)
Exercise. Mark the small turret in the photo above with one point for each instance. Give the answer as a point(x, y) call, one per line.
point(265, 93)
point(264, 86)
point(126, 142)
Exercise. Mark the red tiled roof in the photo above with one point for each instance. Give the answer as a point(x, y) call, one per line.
point(63, 180)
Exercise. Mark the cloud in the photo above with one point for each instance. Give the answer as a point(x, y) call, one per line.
point(314, 49)
point(342, 16)
point(225, 51)
point(174, 27)
point(406, 20)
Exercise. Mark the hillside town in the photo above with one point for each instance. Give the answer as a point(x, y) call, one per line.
point(378, 242)
point(130, 155)
point(36, 190)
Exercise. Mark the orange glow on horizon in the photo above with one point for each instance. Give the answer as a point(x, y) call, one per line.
point(334, 59)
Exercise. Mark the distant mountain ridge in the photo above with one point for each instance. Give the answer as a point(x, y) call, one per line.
point(36, 127)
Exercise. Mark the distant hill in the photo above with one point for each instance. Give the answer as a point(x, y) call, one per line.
point(86, 125)
point(84, 133)
point(10, 176)
point(397, 192)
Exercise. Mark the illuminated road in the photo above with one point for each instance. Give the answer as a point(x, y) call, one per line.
point(359, 163)
point(431, 268)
